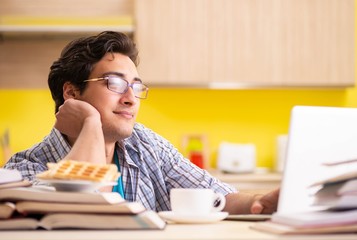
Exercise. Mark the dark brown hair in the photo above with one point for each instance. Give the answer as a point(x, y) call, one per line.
point(78, 57)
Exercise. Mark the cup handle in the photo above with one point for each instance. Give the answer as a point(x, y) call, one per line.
point(219, 202)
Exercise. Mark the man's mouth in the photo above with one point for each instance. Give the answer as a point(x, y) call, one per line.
point(125, 114)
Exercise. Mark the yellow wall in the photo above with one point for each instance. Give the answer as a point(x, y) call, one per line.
point(245, 116)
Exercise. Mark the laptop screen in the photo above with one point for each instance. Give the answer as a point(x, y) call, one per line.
point(318, 136)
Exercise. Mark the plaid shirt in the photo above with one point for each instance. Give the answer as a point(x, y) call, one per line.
point(150, 167)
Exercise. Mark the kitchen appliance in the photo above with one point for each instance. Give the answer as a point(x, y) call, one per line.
point(236, 157)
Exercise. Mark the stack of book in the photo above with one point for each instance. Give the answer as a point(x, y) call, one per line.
point(339, 193)
point(336, 199)
point(31, 208)
point(12, 178)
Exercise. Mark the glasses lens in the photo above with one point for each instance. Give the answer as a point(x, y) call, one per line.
point(140, 90)
point(120, 85)
point(117, 84)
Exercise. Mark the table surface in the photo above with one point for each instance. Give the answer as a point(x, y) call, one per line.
point(220, 230)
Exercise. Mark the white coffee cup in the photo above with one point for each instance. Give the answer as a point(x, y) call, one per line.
point(189, 201)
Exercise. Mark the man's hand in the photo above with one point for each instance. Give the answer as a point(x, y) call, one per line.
point(72, 115)
point(81, 123)
point(265, 204)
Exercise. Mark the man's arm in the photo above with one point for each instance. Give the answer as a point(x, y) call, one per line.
point(245, 203)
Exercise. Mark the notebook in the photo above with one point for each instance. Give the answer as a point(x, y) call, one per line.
point(317, 137)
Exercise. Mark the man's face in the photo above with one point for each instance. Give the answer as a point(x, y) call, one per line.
point(118, 111)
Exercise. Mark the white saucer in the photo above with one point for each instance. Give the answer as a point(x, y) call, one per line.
point(76, 185)
point(179, 218)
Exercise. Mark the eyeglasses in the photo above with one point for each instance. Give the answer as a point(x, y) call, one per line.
point(120, 85)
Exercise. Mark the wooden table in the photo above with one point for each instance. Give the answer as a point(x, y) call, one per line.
point(220, 230)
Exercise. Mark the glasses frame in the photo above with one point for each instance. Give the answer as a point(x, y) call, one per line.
point(127, 85)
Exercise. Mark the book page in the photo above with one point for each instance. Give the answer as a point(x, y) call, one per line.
point(49, 195)
point(19, 224)
point(23, 183)
point(145, 220)
point(6, 210)
point(28, 207)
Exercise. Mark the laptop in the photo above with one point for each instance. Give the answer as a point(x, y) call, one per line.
point(318, 137)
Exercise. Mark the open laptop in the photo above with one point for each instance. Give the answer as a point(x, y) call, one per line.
point(318, 136)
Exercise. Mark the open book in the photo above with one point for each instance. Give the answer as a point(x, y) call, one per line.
point(12, 178)
point(9, 176)
point(337, 172)
point(49, 195)
point(339, 196)
point(32, 208)
point(144, 220)
point(25, 208)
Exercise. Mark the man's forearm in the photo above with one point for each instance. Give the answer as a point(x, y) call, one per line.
point(89, 146)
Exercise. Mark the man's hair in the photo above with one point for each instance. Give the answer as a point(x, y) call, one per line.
point(79, 56)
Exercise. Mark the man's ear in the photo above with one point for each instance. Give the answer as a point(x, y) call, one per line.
point(69, 91)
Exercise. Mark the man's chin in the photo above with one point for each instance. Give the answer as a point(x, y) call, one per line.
point(119, 134)
point(125, 132)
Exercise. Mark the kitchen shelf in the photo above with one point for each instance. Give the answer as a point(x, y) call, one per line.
point(250, 182)
point(67, 25)
point(63, 29)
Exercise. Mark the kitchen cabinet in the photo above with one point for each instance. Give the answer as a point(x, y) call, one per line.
point(33, 33)
point(63, 17)
point(246, 43)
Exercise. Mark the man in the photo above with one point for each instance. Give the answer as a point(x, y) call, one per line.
point(97, 92)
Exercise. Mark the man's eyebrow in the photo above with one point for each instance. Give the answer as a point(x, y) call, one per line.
point(122, 75)
point(114, 73)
